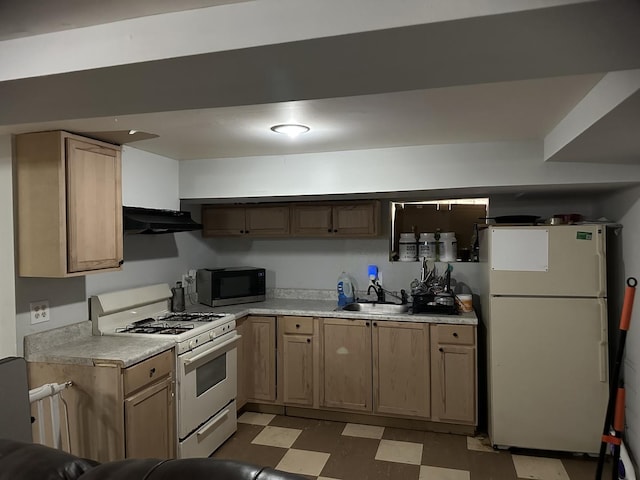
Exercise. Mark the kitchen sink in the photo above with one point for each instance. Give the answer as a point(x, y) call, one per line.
point(376, 307)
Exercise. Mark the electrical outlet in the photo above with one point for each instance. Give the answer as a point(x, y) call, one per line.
point(39, 311)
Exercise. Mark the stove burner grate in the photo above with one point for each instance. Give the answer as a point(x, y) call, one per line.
point(158, 328)
point(192, 317)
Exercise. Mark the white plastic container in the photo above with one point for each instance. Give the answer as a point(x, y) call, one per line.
point(408, 248)
point(465, 302)
point(427, 246)
point(448, 247)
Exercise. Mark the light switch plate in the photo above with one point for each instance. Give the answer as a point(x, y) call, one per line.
point(39, 311)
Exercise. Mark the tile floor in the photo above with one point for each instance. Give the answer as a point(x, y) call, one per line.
point(325, 450)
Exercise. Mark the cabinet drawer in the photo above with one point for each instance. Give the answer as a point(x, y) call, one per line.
point(299, 325)
point(149, 371)
point(456, 334)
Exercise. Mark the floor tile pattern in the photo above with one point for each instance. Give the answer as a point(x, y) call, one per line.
point(324, 450)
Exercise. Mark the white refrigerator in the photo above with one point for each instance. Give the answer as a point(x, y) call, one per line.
point(545, 314)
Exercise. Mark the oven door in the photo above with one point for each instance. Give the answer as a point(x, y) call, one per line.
point(207, 381)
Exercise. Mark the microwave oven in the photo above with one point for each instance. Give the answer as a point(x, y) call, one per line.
point(229, 286)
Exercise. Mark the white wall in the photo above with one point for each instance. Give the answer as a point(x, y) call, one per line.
point(7, 298)
point(625, 208)
point(149, 180)
point(399, 169)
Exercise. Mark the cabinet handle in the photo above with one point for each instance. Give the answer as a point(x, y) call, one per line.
point(335, 230)
point(241, 231)
point(441, 349)
point(375, 324)
point(246, 231)
point(297, 325)
point(308, 340)
point(151, 372)
point(455, 334)
point(329, 230)
point(366, 323)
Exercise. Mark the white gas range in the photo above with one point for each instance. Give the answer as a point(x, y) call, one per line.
point(206, 359)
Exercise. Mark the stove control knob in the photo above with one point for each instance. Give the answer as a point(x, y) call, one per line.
point(192, 344)
point(211, 335)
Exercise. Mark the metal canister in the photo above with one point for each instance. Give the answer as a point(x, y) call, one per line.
point(177, 300)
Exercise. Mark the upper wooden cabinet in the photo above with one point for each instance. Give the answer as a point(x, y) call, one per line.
point(69, 205)
point(232, 220)
point(347, 219)
point(351, 219)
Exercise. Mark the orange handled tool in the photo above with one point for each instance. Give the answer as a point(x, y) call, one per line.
point(614, 417)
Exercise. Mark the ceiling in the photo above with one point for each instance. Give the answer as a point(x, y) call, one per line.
point(35, 17)
point(371, 90)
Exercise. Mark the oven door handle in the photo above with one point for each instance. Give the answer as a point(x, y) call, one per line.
point(213, 351)
point(213, 424)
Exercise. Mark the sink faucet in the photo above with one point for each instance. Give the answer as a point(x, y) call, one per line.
point(378, 289)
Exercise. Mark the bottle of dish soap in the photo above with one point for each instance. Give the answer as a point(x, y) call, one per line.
point(345, 290)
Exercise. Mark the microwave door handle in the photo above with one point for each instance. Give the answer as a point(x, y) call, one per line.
point(213, 351)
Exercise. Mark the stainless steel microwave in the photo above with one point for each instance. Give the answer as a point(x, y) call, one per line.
point(229, 286)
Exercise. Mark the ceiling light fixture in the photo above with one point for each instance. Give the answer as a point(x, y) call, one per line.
point(290, 129)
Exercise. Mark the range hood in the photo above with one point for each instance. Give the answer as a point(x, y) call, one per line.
point(155, 221)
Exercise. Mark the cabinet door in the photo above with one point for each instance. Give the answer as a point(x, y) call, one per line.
point(346, 364)
point(260, 358)
point(454, 383)
point(311, 220)
point(222, 221)
point(94, 206)
point(356, 219)
point(267, 221)
point(401, 368)
point(149, 422)
point(297, 369)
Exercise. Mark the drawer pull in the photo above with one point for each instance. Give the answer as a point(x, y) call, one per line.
point(455, 334)
point(151, 372)
point(297, 325)
point(308, 340)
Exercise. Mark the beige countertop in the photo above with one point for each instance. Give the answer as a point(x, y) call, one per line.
point(74, 344)
point(328, 308)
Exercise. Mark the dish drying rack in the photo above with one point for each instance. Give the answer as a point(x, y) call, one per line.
point(433, 293)
point(49, 394)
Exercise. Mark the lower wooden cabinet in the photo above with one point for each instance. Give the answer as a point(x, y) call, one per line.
point(115, 412)
point(401, 370)
point(298, 360)
point(345, 365)
point(141, 412)
point(256, 359)
point(454, 376)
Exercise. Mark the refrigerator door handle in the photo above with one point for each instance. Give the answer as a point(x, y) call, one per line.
point(602, 266)
point(603, 345)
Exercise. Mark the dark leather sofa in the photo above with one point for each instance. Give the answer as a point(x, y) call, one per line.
point(29, 461)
